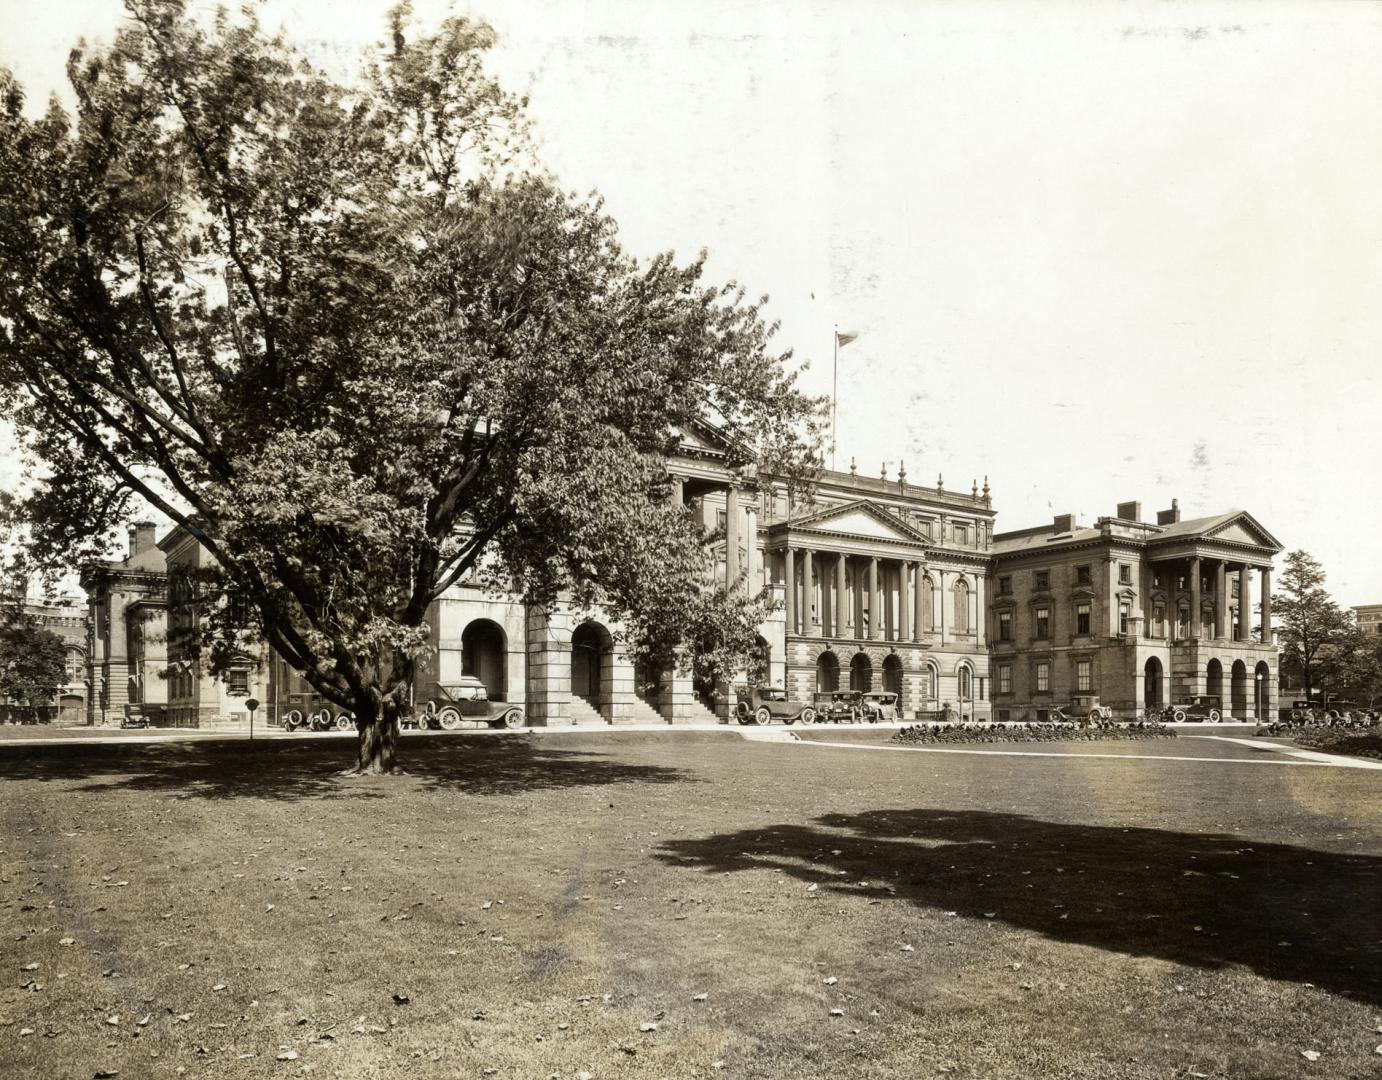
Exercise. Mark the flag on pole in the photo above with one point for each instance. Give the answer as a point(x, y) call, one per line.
point(844, 337)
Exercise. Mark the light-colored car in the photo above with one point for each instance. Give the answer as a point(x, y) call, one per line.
point(880, 705)
point(760, 704)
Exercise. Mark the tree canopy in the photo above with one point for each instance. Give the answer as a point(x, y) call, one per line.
point(361, 344)
point(32, 659)
point(1314, 628)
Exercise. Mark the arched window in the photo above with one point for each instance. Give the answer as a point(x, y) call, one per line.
point(965, 680)
point(933, 682)
point(961, 607)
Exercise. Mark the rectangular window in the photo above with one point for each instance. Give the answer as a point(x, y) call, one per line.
point(1081, 575)
point(1156, 579)
point(1005, 679)
point(1043, 678)
point(1043, 624)
point(961, 534)
point(1083, 680)
point(1005, 585)
point(1124, 574)
point(1041, 580)
point(1159, 630)
point(238, 683)
point(1005, 626)
point(1124, 613)
point(1233, 588)
point(721, 520)
point(1082, 619)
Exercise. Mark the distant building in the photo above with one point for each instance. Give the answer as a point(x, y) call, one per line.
point(66, 616)
point(1369, 618)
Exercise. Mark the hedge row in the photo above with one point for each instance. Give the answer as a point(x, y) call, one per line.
point(1032, 732)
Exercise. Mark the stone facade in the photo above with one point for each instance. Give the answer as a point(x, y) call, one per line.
point(1369, 618)
point(67, 617)
point(1134, 614)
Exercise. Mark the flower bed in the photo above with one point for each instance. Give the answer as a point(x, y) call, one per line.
point(1358, 738)
point(1032, 732)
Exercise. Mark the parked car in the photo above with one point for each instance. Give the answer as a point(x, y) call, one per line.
point(1205, 707)
point(761, 703)
point(880, 705)
point(838, 706)
point(1083, 710)
point(459, 702)
point(134, 717)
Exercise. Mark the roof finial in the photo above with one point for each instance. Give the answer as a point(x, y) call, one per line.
point(974, 489)
point(884, 473)
point(901, 474)
point(987, 497)
point(1175, 504)
point(853, 468)
point(940, 482)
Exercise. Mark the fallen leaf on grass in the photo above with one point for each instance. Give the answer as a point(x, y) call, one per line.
point(650, 1026)
point(401, 999)
point(113, 1021)
point(830, 980)
point(66, 941)
point(29, 967)
point(699, 997)
point(1310, 1055)
point(907, 948)
point(288, 1055)
point(837, 1012)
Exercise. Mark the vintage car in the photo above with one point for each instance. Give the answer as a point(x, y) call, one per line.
point(459, 702)
point(310, 711)
point(838, 706)
point(1083, 710)
point(880, 705)
point(134, 717)
point(1205, 707)
point(761, 703)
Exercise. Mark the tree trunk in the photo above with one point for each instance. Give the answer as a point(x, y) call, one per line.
point(377, 728)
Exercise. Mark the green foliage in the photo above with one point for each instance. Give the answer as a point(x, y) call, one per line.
point(1313, 627)
point(362, 346)
point(32, 659)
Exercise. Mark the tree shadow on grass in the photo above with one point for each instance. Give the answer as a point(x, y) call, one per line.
point(305, 768)
point(1204, 900)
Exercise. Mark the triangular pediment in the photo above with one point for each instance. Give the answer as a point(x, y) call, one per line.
point(700, 438)
point(1243, 528)
point(864, 519)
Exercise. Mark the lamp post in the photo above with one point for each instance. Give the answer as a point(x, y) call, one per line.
point(251, 704)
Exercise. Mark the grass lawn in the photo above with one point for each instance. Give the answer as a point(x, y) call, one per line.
point(775, 910)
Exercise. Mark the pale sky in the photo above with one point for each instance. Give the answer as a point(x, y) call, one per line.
point(1094, 251)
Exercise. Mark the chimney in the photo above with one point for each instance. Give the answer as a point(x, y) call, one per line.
point(1171, 516)
point(1129, 511)
point(141, 537)
point(1065, 523)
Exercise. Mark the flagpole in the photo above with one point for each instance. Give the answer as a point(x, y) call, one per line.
point(834, 392)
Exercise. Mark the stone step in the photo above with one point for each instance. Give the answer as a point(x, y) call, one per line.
point(640, 712)
point(582, 712)
point(696, 713)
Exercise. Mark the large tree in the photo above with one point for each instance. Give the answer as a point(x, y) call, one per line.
point(1313, 625)
point(32, 658)
point(358, 342)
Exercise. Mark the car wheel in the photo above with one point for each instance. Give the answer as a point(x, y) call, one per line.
point(345, 722)
point(513, 718)
point(762, 716)
point(1214, 716)
point(1178, 716)
point(853, 716)
point(292, 720)
point(321, 720)
point(808, 715)
point(449, 718)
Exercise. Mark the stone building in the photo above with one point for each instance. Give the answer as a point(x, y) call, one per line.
point(66, 616)
point(126, 600)
point(1136, 614)
point(1369, 618)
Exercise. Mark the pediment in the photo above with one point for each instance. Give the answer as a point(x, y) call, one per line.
point(864, 519)
point(1244, 529)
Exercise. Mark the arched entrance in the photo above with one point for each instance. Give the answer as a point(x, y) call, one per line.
point(1240, 690)
point(592, 650)
point(1151, 684)
point(861, 672)
point(827, 673)
point(964, 686)
point(1261, 677)
point(484, 656)
point(1214, 683)
point(892, 675)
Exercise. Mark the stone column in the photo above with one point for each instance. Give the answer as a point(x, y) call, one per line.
point(980, 610)
point(731, 536)
point(810, 617)
point(1172, 602)
point(1220, 599)
point(917, 628)
point(904, 631)
point(841, 601)
point(938, 605)
point(791, 576)
point(876, 628)
point(1244, 602)
point(755, 571)
point(1265, 574)
point(1194, 597)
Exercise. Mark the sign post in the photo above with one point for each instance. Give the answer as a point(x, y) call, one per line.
point(251, 704)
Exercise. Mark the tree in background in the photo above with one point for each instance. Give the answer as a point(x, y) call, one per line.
point(32, 659)
point(357, 342)
point(1313, 627)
